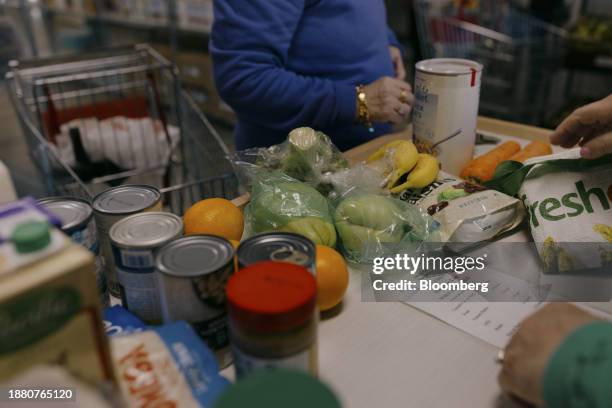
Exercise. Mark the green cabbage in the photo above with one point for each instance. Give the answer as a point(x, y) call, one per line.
point(281, 203)
point(367, 223)
point(316, 229)
point(307, 155)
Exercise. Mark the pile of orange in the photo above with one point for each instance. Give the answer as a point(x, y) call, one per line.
point(220, 217)
point(214, 216)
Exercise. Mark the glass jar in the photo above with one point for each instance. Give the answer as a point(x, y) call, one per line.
point(273, 318)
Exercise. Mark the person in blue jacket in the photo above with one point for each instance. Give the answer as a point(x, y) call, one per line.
point(333, 65)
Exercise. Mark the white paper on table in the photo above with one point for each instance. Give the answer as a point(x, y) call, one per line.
point(493, 322)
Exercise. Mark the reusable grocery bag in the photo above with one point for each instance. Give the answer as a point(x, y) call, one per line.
point(568, 201)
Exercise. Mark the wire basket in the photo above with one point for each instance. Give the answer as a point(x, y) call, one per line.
point(520, 53)
point(118, 117)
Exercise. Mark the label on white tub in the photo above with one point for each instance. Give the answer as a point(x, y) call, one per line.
point(444, 115)
point(425, 112)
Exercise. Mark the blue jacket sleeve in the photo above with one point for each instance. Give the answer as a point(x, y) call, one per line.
point(392, 38)
point(250, 43)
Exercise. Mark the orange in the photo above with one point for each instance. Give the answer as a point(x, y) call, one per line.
point(215, 216)
point(332, 277)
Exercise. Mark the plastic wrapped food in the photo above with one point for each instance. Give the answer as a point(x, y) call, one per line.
point(569, 201)
point(166, 366)
point(367, 178)
point(281, 203)
point(118, 320)
point(307, 155)
point(371, 225)
point(467, 213)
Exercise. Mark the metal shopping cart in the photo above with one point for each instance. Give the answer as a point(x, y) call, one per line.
point(118, 117)
point(520, 53)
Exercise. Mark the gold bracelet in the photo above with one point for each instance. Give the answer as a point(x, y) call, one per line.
point(362, 108)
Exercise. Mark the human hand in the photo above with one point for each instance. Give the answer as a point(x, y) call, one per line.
point(398, 62)
point(528, 352)
point(389, 100)
point(590, 126)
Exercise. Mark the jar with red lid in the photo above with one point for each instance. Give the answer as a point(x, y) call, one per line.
point(273, 318)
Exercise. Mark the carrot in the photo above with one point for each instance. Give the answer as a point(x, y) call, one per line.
point(533, 149)
point(482, 167)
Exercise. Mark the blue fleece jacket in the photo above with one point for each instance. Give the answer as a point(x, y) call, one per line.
point(282, 64)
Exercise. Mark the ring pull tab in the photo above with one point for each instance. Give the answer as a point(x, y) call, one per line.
point(291, 255)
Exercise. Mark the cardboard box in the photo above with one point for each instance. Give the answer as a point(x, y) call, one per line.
point(50, 314)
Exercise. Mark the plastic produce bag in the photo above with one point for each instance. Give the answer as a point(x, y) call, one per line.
point(281, 203)
point(371, 225)
point(366, 178)
point(306, 156)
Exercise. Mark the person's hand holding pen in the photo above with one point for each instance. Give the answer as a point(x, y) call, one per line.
point(590, 126)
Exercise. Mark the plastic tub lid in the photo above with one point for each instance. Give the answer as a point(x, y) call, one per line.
point(271, 296)
point(278, 388)
point(448, 66)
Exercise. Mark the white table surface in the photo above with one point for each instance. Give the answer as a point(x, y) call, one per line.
point(387, 355)
point(393, 355)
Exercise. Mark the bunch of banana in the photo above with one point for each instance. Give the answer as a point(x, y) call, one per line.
point(403, 166)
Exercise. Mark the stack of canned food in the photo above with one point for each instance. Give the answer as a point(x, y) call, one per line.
point(264, 314)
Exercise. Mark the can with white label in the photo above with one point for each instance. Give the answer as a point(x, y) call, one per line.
point(134, 240)
point(78, 223)
point(447, 93)
point(113, 205)
point(192, 274)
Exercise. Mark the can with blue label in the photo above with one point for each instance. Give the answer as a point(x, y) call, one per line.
point(134, 240)
point(76, 216)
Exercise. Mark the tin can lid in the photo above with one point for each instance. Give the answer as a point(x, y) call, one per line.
point(146, 230)
point(278, 388)
point(126, 199)
point(271, 296)
point(448, 66)
point(195, 255)
point(277, 246)
point(71, 211)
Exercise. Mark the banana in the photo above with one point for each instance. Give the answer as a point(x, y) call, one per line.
point(394, 159)
point(380, 153)
point(423, 174)
point(405, 156)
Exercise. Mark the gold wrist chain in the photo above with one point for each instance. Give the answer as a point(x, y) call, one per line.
point(362, 110)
